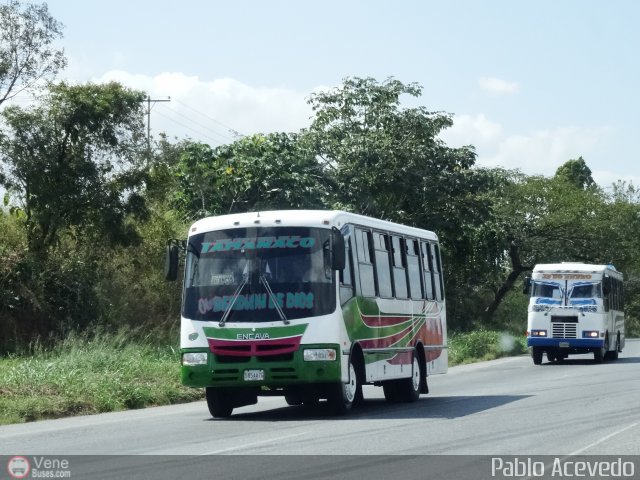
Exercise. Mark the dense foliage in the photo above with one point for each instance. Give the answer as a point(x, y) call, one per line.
point(88, 208)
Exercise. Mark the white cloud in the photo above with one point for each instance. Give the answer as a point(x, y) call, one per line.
point(498, 86)
point(534, 153)
point(211, 110)
point(543, 151)
point(475, 130)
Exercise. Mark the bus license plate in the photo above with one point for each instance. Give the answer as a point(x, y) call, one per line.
point(563, 344)
point(253, 375)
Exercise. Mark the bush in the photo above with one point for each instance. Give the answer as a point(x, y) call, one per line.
point(483, 345)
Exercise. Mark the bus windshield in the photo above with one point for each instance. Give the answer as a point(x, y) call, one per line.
point(555, 292)
point(260, 274)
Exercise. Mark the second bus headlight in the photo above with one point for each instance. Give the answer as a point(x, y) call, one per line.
point(538, 333)
point(319, 355)
point(590, 334)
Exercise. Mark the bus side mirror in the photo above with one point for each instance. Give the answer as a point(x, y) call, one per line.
point(337, 250)
point(171, 261)
point(606, 285)
point(526, 285)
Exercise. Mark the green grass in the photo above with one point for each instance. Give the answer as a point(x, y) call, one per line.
point(85, 374)
point(82, 375)
point(482, 345)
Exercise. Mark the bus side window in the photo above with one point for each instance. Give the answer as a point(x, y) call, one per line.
point(365, 263)
point(413, 268)
point(399, 267)
point(427, 270)
point(437, 273)
point(382, 265)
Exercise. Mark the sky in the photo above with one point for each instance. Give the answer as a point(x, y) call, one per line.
point(529, 84)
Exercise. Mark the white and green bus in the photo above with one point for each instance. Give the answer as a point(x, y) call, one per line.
point(575, 308)
point(310, 305)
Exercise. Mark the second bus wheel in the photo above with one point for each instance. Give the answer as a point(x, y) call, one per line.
point(536, 355)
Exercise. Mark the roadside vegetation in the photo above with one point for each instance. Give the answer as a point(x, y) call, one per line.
point(89, 201)
point(105, 372)
point(86, 374)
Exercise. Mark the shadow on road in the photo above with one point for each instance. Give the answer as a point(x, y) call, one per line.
point(427, 407)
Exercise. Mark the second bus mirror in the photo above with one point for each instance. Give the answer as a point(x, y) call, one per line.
point(526, 285)
point(337, 250)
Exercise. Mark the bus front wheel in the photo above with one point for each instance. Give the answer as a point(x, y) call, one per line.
point(342, 395)
point(536, 355)
point(220, 405)
point(601, 353)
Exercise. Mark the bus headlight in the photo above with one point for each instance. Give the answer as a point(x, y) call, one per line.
point(538, 333)
point(319, 355)
point(590, 334)
point(194, 358)
point(589, 308)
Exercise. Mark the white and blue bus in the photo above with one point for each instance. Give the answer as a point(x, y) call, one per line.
point(575, 308)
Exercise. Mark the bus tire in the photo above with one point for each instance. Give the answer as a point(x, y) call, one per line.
point(536, 355)
point(390, 391)
point(220, 405)
point(552, 357)
point(613, 355)
point(408, 389)
point(341, 395)
point(600, 354)
point(293, 399)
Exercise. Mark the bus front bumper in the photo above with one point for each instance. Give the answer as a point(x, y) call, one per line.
point(573, 343)
point(261, 371)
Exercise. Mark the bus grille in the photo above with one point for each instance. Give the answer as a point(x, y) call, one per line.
point(564, 330)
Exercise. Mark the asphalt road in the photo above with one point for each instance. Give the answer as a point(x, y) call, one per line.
point(502, 407)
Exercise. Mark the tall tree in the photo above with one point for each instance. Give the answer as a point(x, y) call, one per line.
point(386, 160)
point(576, 172)
point(73, 161)
point(544, 220)
point(27, 55)
point(258, 172)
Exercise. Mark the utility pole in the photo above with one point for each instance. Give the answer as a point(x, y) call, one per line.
point(149, 100)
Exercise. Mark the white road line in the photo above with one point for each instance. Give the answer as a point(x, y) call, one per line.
point(253, 444)
point(604, 439)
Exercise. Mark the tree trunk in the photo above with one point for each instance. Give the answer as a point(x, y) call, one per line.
point(516, 269)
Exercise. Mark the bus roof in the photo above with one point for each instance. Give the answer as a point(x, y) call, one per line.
point(304, 218)
point(574, 267)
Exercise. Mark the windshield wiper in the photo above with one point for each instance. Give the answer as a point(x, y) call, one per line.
point(234, 298)
point(273, 298)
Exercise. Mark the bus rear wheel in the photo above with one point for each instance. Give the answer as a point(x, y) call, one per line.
point(408, 389)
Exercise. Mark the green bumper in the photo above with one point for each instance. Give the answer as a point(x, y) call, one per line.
point(278, 372)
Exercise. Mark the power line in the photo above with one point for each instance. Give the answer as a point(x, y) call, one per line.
point(231, 130)
point(217, 141)
point(227, 138)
